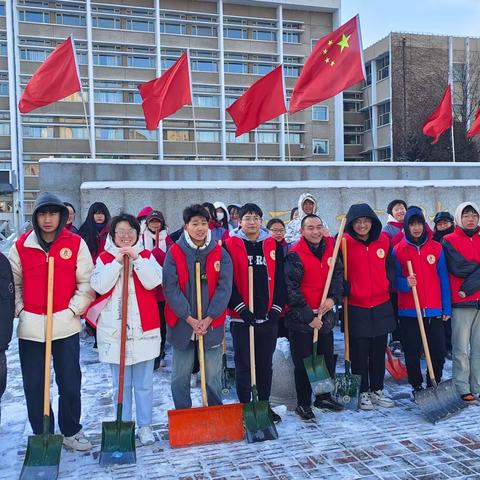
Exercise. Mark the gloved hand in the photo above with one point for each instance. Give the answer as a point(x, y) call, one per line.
point(248, 317)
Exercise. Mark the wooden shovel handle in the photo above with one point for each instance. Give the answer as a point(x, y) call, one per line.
point(346, 330)
point(201, 353)
point(331, 267)
point(48, 337)
point(157, 235)
point(431, 374)
point(251, 329)
point(123, 332)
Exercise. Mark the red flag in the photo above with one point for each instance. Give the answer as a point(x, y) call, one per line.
point(164, 95)
point(262, 101)
point(475, 127)
point(441, 118)
point(56, 78)
point(336, 63)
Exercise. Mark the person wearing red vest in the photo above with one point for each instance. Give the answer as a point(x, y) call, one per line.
point(183, 322)
point(462, 251)
point(72, 294)
point(252, 245)
point(143, 320)
point(431, 279)
point(371, 273)
point(306, 270)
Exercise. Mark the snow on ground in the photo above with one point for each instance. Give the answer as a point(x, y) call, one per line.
point(384, 444)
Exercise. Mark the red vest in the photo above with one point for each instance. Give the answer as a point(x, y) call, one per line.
point(315, 271)
point(35, 272)
point(238, 253)
point(469, 248)
point(367, 272)
point(146, 299)
point(424, 263)
point(212, 266)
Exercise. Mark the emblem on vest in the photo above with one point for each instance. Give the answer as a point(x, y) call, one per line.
point(431, 259)
point(272, 254)
point(65, 253)
point(216, 266)
point(380, 253)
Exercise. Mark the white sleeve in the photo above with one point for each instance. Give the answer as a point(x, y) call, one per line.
point(149, 272)
point(105, 276)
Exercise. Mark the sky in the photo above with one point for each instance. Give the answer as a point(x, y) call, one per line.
point(443, 17)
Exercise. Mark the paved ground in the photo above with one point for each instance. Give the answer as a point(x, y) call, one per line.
point(384, 444)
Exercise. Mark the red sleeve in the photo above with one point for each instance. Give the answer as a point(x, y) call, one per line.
point(168, 241)
point(159, 255)
point(397, 238)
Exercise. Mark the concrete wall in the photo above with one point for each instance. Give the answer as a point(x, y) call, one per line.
point(170, 186)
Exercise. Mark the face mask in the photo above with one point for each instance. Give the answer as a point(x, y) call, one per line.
point(220, 216)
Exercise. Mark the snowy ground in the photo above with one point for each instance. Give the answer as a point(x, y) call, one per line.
point(384, 444)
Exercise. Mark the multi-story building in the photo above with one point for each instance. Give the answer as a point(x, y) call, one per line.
point(123, 43)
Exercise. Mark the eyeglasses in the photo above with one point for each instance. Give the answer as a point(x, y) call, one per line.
point(277, 230)
point(470, 215)
point(125, 233)
point(251, 219)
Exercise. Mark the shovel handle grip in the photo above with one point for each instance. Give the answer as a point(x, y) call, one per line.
point(48, 337)
point(431, 374)
point(123, 332)
point(201, 352)
point(251, 329)
point(346, 327)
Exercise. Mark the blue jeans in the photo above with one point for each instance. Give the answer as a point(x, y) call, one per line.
point(466, 349)
point(140, 377)
point(182, 365)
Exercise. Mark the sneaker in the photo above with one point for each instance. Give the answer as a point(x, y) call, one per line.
point(379, 398)
point(275, 416)
point(469, 398)
point(145, 435)
point(305, 413)
point(327, 403)
point(364, 402)
point(396, 348)
point(78, 442)
point(194, 380)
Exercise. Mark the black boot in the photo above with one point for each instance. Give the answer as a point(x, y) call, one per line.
point(275, 416)
point(327, 402)
point(305, 413)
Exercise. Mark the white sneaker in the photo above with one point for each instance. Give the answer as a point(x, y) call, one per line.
point(145, 435)
point(379, 398)
point(364, 402)
point(194, 380)
point(77, 442)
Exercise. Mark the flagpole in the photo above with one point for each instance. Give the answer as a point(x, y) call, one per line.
point(288, 137)
point(193, 107)
point(256, 146)
point(450, 81)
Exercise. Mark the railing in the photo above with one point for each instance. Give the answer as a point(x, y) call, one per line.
point(8, 236)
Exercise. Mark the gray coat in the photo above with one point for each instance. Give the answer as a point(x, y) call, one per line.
point(185, 304)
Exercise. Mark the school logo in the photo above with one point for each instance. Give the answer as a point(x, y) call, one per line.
point(272, 254)
point(380, 253)
point(431, 259)
point(216, 266)
point(65, 253)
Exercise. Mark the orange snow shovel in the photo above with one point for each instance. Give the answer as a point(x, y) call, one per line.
point(395, 367)
point(197, 426)
point(43, 450)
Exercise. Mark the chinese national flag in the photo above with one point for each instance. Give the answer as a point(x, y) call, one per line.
point(56, 78)
point(475, 128)
point(263, 101)
point(164, 95)
point(441, 118)
point(336, 63)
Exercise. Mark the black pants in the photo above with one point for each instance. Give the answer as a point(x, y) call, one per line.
point(367, 356)
point(412, 347)
point(265, 343)
point(397, 333)
point(301, 347)
point(282, 329)
point(66, 363)
point(3, 372)
point(163, 329)
point(448, 334)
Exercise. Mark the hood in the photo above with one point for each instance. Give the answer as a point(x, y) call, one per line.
point(224, 208)
point(110, 246)
point(415, 211)
point(363, 210)
point(144, 212)
point(301, 200)
point(44, 200)
point(189, 248)
point(443, 216)
point(459, 210)
point(264, 234)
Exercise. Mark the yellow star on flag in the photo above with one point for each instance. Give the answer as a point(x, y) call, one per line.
point(343, 43)
point(327, 60)
point(325, 51)
point(332, 63)
point(330, 42)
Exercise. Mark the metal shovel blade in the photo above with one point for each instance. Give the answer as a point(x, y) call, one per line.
point(441, 402)
point(318, 374)
point(118, 443)
point(259, 425)
point(42, 458)
point(347, 388)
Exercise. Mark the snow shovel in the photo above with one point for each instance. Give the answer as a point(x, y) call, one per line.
point(228, 374)
point(258, 420)
point(395, 367)
point(438, 401)
point(315, 365)
point(347, 385)
point(201, 425)
point(42, 458)
point(118, 437)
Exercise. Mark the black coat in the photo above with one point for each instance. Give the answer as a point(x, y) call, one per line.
point(7, 302)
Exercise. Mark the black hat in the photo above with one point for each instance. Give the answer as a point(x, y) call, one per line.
point(393, 203)
point(156, 215)
point(443, 216)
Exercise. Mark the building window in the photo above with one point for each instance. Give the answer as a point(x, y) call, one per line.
point(320, 113)
point(291, 37)
point(176, 135)
point(384, 154)
point(383, 67)
point(267, 137)
point(33, 16)
point(4, 89)
point(72, 132)
point(293, 138)
point(134, 97)
point(264, 35)
point(235, 33)
point(204, 31)
point(368, 119)
point(352, 135)
point(367, 156)
point(108, 97)
point(208, 101)
point(262, 69)
point(33, 55)
point(383, 117)
point(230, 138)
point(37, 132)
point(141, 134)
point(140, 61)
point(2, 9)
point(106, 60)
point(236, 67)
point(106, 22)
point(172, 28)
point(109, 133)
point(208, 136)
point(71, 19)
point(204, 66)
point(140, 25)
point(368, 74)
point(351, 106)
point(320, 147)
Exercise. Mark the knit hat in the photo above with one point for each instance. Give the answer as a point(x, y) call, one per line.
point(443, 216)
point(393, 203)
point(144, 212)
